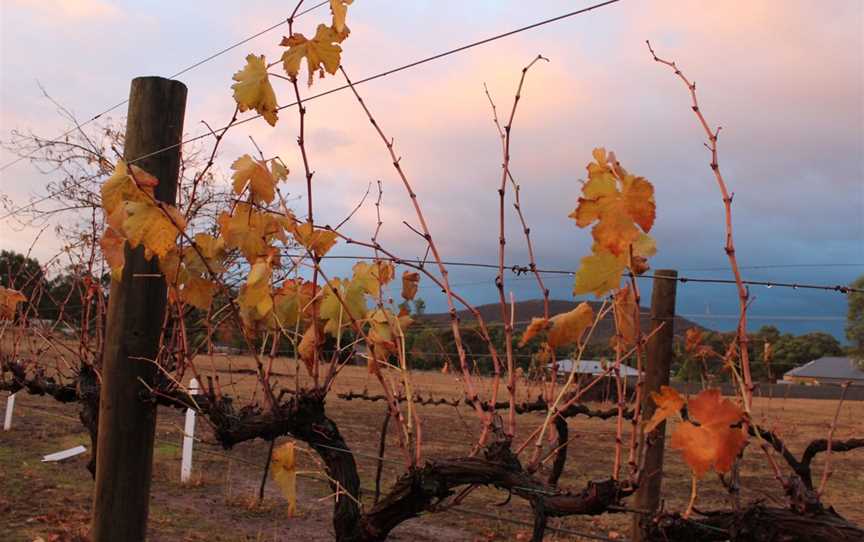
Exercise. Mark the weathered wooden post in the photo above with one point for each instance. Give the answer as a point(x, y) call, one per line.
point(136, 309)
point(659, 350)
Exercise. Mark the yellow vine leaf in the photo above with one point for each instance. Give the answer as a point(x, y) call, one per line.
point(306, 348)
point(322, 52)
point(410, 283)
point(9, 300)
point(624, 308)
point(291, 304)
point(621, 207)
point(384, 334)
point(644, 245)
point(598, 274)
point(285, 474)
point(198, 292)
point(251, 230)
point(189, 276)
point(113, 249)
point(254, 299)
point(692, 340)
point(122, 187)
point(213, 251)
point(668, 402)
point(338, 314)
point(254, 174)
point(279, 170)
point(568, 327)
point(339, 8)
point(153, 226)
point(254, 91)
point(714, 443)
point(316, 241)
point(536, 326)
point(617, 201)
point(372, 276)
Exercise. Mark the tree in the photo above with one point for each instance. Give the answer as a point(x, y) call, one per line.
point(19, 271)
point(855, 322)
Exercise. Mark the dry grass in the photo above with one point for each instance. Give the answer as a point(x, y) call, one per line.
point(226, 484)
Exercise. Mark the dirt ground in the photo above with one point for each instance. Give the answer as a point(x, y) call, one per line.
point(52, 500)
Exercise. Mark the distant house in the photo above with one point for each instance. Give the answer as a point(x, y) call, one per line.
point(587, 372)
point(827, 370)
point(592, 368)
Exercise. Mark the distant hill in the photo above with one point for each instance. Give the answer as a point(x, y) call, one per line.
point(533, 308)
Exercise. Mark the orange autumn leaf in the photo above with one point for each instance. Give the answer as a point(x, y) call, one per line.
point(536, 326)
point(621, 208)
point(564, 328)
point(251, 230)
point(339, 8)
point(317, 241)
point(199, 292)
point(9, 300)
point(568, 327)
point(306, 348)
point(154, 226)
point(410, 283)
point(692, 340)
point(714, 443)
point(114, 251)
point(618, 202)
point(254, 174)
point(625, 310)
point(668, 402)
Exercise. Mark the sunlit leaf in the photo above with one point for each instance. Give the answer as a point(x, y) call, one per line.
point(668, 404)
point(113, 249)
point(621, 204)
point(155, 227)
point(280, 172)
point(284, 467)
point(625, 312)
point(717, 440)
point(598, 274)
point(536, 326)
point(410, 283)
point(123, 187)
point(255, 300)
point(372, 276)
point(339, 8)
point(322, 52)
point(254, 174)
point(199, 292)
point(254, 91)
point(338, 314)
point(9, 300)
point(568, 327)
point(250, 230)
point(315, 240)
point(307, 347)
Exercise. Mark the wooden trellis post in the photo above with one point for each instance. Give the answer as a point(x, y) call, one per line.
point(659, 350)
point(136, 309)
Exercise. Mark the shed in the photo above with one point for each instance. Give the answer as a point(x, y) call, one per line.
point(591, 367)
point(827, 370)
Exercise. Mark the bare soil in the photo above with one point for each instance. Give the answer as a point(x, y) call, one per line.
point(52, 500)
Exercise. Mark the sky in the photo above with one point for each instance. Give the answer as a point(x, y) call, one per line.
point(785, 79)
